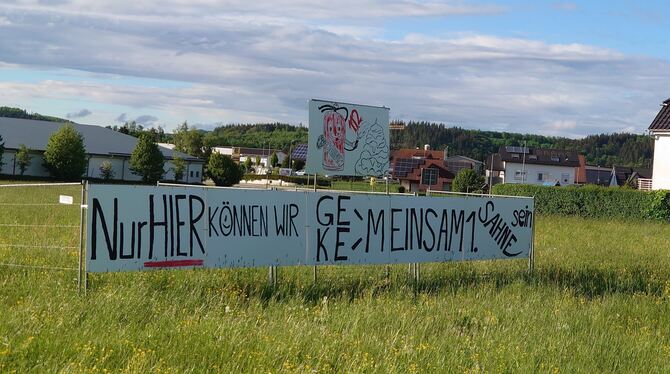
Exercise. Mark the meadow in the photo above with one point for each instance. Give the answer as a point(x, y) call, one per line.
point(598, 301)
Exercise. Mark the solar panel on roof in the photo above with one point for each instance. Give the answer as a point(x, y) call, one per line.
point(299, 152)
point(405, 166)
point(516, 149)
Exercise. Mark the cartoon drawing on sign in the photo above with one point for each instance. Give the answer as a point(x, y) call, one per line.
point(334, 139)
point(374, 157)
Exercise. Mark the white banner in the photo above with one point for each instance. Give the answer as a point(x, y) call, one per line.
point(347, 139)
point(141, 227)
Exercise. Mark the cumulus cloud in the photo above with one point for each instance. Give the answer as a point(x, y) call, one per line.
point(241, 61)
point(146, 120)
point(123, 118)
point(80, 114)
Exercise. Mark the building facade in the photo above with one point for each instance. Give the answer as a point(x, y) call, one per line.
point(550, 167)
point(660, 130)
point(101, 144)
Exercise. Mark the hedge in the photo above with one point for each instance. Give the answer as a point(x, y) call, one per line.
point(594, 201)
point(297, 179)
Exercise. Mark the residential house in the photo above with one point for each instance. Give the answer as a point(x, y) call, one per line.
point(593, 174)
point(457, 163)
point(421, 169)
point(532, 166)
point(241, 154)
point(102, 144)
point(660, 130)
point(622, 175)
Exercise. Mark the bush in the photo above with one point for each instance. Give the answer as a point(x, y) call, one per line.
point(467, 180)
point(223, 170)
point(594, 201)
point(297, 179)
point(106, 170)
point(2, 151)
point(65, 155)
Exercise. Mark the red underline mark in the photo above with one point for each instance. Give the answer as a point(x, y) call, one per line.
point(173, 263)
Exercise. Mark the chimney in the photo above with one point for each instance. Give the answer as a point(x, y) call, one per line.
point(446, 153)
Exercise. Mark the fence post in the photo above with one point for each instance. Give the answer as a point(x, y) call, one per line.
point(85, 209)
point(531, 255)
point(272, 275)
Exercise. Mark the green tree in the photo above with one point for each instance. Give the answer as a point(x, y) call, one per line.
point(2, 151)
point(179, 166)
point(274, 160)
point(298, 164)
point(147, 160)
point(258, 160)
point(189, 141)
point(23, 158)
point(467, 180)
point(285, 162)
point(106, 170)
point(223, 170)
point(248, 164)
point(65, 154)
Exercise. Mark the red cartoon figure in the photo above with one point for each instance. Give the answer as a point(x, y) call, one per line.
point(334, 139)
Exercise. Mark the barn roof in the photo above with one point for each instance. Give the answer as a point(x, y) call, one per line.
point(98, 140)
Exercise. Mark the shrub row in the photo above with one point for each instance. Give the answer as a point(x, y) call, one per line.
point(594, 201)
point(297, 179)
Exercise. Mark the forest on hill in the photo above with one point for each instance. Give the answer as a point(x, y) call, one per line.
point(603, 149)
point(10, 112)
point(623, 149)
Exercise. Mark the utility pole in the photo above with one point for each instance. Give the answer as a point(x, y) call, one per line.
point(523, 168)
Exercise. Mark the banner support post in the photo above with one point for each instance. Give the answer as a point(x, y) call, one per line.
point(81, 236)
point(531, 255)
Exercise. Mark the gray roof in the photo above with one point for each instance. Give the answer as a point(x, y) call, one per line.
point(98, 140)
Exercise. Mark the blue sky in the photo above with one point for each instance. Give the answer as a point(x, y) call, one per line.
point(551, 68)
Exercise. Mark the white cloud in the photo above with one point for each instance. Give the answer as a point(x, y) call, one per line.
point(244, 62)
point(79, 114)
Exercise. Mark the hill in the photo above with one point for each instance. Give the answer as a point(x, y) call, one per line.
point(604, 149)
point(10, 112)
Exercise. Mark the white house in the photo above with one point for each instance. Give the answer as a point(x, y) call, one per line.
point(660, 130)
point(532, 166)
point(102, 144)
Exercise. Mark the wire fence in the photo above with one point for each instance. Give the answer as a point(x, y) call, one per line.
point(37, 231)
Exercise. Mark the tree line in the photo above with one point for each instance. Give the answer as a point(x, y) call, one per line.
point(623, 149)
point(632, 150)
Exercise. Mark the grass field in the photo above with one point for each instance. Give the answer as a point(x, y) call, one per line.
point(597, 302)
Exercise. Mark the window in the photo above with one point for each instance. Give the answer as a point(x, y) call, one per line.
point(540, 177)
point(520, 175)
point(532, 157)
point(429, 176)
point(191, 173)
point(197, 174)
point(515, 155)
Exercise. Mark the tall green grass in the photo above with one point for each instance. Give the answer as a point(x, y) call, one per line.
point(597, 302)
